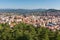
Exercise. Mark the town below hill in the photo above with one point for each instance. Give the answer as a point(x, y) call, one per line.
point(36, 24)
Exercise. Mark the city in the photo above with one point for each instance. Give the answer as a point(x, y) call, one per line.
point(29, 19)
point(50, 22)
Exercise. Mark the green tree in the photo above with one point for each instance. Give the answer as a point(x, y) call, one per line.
point(58, 35)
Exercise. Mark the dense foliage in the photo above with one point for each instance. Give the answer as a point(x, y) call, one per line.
point(27, 32)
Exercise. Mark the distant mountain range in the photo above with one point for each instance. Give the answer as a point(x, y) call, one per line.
point(32, 12)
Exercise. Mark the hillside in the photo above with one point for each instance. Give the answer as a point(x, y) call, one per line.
point(33, 11)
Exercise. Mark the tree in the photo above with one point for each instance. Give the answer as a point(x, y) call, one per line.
point(58, 35)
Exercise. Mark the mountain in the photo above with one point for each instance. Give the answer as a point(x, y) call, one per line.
point(44, 12)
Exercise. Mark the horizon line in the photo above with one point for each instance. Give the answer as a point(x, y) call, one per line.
point(30, 8)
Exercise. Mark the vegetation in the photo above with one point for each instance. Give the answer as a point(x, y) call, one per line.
point(24, 31)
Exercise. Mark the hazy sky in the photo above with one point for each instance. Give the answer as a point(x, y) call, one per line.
point(30, 4)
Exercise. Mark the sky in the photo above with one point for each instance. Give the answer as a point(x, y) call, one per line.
point(29, 4)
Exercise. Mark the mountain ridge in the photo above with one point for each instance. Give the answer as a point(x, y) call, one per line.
point(43, 12)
